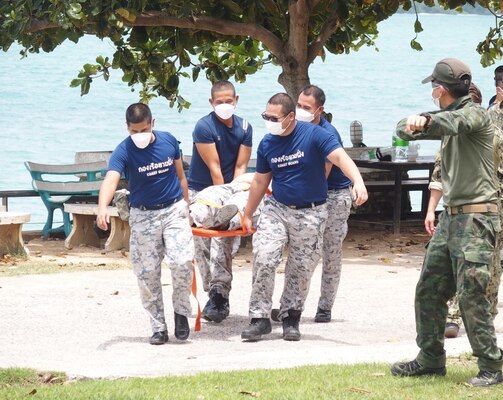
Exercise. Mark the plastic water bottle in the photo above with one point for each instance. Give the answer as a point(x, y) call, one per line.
point(400, 149)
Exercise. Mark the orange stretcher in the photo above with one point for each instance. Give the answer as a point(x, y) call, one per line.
point(211, 233)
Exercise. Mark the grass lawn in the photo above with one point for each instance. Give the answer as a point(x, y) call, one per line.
point(361, 381)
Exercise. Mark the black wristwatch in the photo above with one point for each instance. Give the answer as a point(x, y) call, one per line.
point(428, 119)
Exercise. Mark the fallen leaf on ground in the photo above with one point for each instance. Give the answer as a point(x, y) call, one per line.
point(34, 391)
point(252, 394)
point(392, 272)
point(386, 260)
point(115, 293)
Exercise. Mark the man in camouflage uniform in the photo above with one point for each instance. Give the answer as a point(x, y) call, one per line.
point(454, 320)
point(462, 247)
point(152, 163)
point(292, 155)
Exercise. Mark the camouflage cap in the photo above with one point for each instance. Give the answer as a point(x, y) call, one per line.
point(450, 71)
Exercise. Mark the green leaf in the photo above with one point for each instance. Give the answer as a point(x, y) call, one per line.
point(85, 86)
point(74, 11)
point(417, 26)
point(75, 82)
point(416, 45)
point(195, 73)
point(138, 36)
point(173, 82)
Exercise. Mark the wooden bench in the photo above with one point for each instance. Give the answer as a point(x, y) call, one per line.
point(408, 185)
point(83, 233)
point(62, 183)
point(11, 238)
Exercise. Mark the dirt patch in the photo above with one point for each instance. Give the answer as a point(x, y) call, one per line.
point(360, 246)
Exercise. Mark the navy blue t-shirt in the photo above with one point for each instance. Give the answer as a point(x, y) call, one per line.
point(336, 179)
point(151, 171)
point(208, 130)
point(297, 162)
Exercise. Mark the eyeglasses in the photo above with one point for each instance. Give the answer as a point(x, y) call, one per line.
point(272, 119)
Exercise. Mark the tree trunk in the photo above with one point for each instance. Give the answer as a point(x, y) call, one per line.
point(293, 77)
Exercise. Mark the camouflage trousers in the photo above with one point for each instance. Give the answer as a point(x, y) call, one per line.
point(156, 234)
point(301, 232)
point(457, 260)
point(336, 229)
point(214, 255)
point(454, 313)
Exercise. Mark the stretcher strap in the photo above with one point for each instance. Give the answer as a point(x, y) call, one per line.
point(197, 326)
point(204, 232)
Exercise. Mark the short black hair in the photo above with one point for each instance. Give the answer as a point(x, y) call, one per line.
point(285, 101)
point(498, 70)
point(316, 92)
point(222, 85)
point(138, 112)
point(460, 89)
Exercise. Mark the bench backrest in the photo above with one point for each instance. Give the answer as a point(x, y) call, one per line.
point(51, 179)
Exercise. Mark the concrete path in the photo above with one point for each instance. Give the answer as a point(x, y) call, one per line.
point(92, 324)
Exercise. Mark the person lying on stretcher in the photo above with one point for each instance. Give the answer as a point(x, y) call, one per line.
point(218, 207)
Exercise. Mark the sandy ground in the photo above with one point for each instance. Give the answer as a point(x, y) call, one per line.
point(91, 324)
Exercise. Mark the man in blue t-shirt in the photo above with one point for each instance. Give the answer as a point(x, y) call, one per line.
point(221, 151)
point(310, 106)
point(158, 217)
point(293, 156)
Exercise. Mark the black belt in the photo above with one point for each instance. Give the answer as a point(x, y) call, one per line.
point(308, 205)
point(159, 206)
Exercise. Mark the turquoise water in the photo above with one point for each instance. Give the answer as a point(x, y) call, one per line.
point(42, 119)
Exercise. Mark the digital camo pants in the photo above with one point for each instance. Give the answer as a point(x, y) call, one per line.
point(214, 256)
point(336, 229)
point(301, 231)
point(155, 234)
point(457, 260)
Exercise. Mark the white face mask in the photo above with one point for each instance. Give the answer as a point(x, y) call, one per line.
point(142, 139)
point(303, 115)
point(436, 100)
point(224, 111)
point(275, 128)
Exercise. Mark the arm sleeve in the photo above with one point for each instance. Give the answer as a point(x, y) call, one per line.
point(202, 133)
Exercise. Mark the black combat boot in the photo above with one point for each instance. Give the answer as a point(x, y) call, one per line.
point(413, 368)
point(257, 328)
point(159, 338)
point(217, 307)
point(291, 326)
point(323, 315)
point(182, 329)
point(487, 378)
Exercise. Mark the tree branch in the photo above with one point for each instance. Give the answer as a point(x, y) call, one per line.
point(332, 23)
point(223, 27)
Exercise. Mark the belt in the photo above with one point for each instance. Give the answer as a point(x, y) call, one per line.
point(308, 205)
point(159, 206)
point(473, 208)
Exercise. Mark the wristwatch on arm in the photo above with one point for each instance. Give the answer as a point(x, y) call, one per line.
point(428, 119)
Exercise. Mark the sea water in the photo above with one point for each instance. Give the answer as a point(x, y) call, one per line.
point(43, 120)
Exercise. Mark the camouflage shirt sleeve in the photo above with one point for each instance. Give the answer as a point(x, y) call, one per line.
point(436, 178)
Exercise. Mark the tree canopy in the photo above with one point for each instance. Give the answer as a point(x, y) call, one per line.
point(157, 42)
